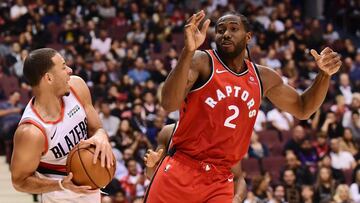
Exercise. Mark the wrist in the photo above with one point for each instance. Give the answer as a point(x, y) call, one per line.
point(324, 74)
point(187, 50)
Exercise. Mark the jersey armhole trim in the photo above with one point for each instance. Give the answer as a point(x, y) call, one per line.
point(259, 79)
point(211, 76)
point(41, 128)
point(77, 96)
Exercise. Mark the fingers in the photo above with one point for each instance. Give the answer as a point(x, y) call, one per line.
point(195, 19)
point(315, 54)
point(160, 151)
point(205, 26)
point(68, 177)
point(103, 155)
point(96, 153)
point(326, 50)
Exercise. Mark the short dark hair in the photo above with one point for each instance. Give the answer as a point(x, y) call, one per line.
point(244, 20)
point(37, 63)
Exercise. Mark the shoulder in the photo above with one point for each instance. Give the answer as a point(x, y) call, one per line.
point(28, 134)
point(80, 88)
point(200, 59)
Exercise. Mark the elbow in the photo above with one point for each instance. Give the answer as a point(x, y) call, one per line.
point(168, 105)
point(303, 116)
point(17, 186)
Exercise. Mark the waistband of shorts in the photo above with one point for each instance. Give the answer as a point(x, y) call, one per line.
point(196, 164)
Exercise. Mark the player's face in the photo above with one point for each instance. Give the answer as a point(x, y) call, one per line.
point(230, 36)
point(61, 76)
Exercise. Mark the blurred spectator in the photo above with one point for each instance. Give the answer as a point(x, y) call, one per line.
point(325, 186)
point(321, 144)
point(354, 106)
point(279, 195)
point(337, 174)
point(257, 149)
point(102, 43)
point(307, 194)
point(281, 120)
point(330, 35)
point(110, 123)
point(340, 159)
point(298, 134)
point(347, 142)
point(10, 114)
point(106, 9)
point(355, 187)
point(260, 122)
point(308, 156)
point(139, 74)
point(303, 175)
point(18, 10)
point(345, 88)
point(331, 126)
point(292, 190)
point(342, 194)
point(260, 187)
point(134, 184)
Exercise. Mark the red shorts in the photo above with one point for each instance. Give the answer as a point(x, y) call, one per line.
point(182, 179)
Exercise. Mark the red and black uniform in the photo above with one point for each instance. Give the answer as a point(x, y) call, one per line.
point(212, 135)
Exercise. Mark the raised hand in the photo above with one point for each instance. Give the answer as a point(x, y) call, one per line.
point(193, 36)
point(152, 158)
point(328, 60)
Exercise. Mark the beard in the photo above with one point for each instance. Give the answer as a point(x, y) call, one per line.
point(239, 47)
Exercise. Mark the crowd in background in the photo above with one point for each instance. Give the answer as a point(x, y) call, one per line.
point(125, 49)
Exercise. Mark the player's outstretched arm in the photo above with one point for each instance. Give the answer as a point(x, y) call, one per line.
point(151, 157)
point(240, 189)
point(97, 134)
point(286, 98)
point(29, 144)
point(186, 72)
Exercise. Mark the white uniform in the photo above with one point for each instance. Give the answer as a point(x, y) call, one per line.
point(61, 136)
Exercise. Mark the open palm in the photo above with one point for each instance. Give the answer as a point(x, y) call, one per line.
point(193, 36)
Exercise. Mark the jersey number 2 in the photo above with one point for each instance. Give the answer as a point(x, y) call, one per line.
point(232, 117)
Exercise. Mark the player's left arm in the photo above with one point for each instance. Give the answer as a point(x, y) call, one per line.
point(239, 184)
point(302, 105)
point(97, 134)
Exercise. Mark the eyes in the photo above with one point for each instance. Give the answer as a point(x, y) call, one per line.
point(232, 28)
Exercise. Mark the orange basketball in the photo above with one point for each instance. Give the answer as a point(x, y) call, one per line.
point(80, 163)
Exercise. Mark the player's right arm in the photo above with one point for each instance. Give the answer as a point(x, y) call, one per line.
point(190, 65)
point(29, 144)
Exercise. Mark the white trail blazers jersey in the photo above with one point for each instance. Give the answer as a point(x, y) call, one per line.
point(61, 136)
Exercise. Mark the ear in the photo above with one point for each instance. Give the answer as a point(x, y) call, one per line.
point(248, 37)
point(48, 77)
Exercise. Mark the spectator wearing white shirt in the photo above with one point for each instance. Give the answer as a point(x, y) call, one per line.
point(281, 120)
point(18, 10)
point(342, 160)
point(101, 44)
point(345, 87)
point(260, 121)
point(110, 122)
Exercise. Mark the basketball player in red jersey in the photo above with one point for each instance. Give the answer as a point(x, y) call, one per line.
point(218, 94)
point(59, 116)
point(152, 159)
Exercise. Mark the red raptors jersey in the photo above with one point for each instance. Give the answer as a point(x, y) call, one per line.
point(217, 119)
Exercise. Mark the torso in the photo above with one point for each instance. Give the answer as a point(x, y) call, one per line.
point(217, 119)
point(61, 135)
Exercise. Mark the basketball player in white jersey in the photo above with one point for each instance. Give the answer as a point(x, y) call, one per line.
point(58, 117)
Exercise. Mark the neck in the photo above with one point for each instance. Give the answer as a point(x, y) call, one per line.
point(237, 63)
point(47, 104)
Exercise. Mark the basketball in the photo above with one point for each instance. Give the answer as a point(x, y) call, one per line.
point(80, 163)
